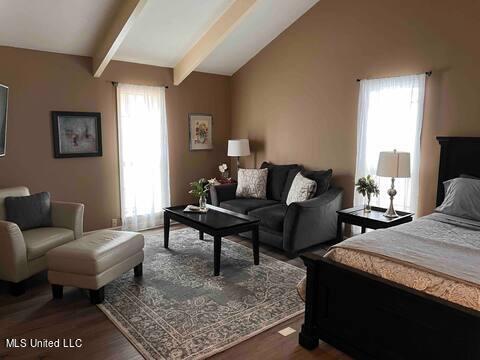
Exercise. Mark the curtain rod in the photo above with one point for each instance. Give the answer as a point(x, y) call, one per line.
point(115, 83)
point(428, 73)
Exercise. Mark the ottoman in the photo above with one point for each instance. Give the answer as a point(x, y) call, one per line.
point(94, 260)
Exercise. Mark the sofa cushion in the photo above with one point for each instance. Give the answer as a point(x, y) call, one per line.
point(271, 217)
point(277, 176)
point(302, 189)
point(95, 252)
point(321, 177)
point(6, 192)
point(252, 183)
point(28, 212)
point(40, 240)
point(243, 206)
point(288, 183)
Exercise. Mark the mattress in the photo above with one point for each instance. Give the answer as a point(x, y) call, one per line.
point(436, 254)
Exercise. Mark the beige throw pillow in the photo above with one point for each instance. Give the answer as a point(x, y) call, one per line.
point(302, 189)
point(252, 183)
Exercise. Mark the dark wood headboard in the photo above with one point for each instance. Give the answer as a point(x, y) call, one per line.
point(458, 155)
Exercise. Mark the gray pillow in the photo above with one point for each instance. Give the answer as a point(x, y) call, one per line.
point(462, 198)
point(29, 212)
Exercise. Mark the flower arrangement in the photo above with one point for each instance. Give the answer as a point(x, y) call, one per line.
point(223, 168)
point(366, 186)
point(199, 188)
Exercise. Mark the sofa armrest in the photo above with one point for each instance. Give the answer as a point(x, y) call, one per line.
point(68, 215)
point(222, 192)
point(13, 254)
point(311, 222)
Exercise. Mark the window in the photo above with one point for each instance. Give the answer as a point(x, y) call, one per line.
point(143, 153)
point(390, 115)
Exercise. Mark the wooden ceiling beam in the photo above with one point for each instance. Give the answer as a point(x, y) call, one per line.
point(123, 21)
point(211, 39)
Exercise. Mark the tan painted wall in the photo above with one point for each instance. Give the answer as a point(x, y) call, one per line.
point(297, 99)
point(41, 82)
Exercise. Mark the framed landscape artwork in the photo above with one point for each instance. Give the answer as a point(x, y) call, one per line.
point(76, 134)
point(3, 118)
point(200, 129)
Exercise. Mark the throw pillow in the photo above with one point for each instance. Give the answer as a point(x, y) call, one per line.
point(277, 176)
point(29, 212)
point(252, 183)
point(302, 189)
point(288, 184)
point(322, 178)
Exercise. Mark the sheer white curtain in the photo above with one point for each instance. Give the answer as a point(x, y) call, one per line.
point(390, 116)
point(143, 152)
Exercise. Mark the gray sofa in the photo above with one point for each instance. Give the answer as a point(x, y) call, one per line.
point(291, 228)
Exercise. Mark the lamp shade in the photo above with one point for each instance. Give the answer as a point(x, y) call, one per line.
point(394, 164)
point(238, 147)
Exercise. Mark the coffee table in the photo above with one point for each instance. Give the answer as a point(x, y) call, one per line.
point(217, 222)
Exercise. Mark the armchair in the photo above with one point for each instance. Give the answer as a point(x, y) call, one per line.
point(24, 252)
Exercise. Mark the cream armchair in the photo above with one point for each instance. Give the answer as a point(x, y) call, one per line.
point(23, 253)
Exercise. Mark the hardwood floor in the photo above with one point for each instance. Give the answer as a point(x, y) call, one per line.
point(35, 315)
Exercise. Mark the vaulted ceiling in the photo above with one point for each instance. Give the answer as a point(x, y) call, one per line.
point(215, 36)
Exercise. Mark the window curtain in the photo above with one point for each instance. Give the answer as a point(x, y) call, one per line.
point(143, 155)
point(390, 116)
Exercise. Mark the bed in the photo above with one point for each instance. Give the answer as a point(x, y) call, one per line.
point(371, 305)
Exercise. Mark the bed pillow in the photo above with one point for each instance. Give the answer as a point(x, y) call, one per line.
point(462, 198)
point(29, 212)
point(252, 183)
point(302, 189)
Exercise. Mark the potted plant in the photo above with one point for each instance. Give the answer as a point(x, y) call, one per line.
point(367, 186)
point(199, 189)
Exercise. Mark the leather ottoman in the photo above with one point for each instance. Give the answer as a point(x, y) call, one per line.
point(94, 260)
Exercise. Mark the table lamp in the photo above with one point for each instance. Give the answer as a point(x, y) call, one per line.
point(393, 164)
point(238, 147)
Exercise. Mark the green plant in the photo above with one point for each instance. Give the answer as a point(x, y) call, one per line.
point(367, 186)
point(199, 187)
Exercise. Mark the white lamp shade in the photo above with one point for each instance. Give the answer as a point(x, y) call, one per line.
point(394, 164)
point(238, 147)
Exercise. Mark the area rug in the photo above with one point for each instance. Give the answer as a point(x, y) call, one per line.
point(179, 310)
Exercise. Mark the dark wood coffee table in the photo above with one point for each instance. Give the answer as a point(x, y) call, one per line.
point(217, 222)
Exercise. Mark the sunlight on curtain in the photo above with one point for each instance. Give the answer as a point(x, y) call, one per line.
point(390, 115)
point(143, 153)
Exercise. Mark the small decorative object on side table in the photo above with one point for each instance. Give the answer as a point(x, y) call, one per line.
point(224, 173)
point(372, 220)
point(367, 187)
point(199, 190)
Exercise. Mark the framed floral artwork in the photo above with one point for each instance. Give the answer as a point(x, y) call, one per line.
point(200, 130)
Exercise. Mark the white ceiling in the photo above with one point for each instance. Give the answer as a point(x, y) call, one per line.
point(165, 30)
point(267, 20)
point(63, 26)
point(162, 34)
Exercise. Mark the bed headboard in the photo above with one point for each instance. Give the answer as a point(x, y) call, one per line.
point(458, 155)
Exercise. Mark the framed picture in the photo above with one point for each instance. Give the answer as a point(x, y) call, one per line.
point(76, 134)
point(3, 118)
point(200, 129)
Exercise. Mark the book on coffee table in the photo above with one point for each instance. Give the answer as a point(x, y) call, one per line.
point(194, 209)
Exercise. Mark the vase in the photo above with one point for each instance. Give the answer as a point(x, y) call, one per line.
point(368, 208)
point(202, 202)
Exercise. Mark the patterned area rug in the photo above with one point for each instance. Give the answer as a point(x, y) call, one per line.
point(179, 310)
